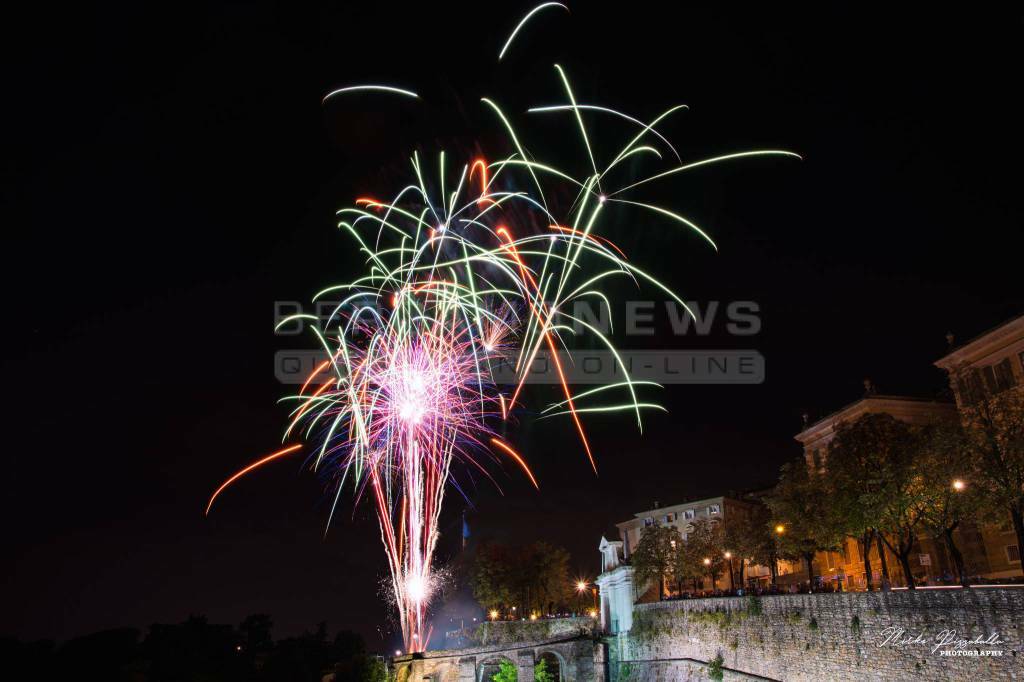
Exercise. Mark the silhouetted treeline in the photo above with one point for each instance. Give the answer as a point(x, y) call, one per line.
point(196, 651)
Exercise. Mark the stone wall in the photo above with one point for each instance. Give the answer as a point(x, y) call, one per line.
point(571, 641)
point(821, 637)
point(518, 631)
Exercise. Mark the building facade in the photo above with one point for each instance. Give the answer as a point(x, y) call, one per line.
point(845, 568)
point(681, 516)
point(615, 554)
point(988, 365)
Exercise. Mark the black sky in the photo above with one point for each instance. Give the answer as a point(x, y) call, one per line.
point(169, 173)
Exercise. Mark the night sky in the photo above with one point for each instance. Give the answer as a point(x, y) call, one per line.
point(170, 172)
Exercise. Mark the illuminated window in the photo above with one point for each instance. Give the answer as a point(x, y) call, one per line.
point(689, 514)
point(714, 509)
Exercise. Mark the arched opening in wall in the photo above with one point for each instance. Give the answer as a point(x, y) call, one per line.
point(554, 666)
point(491, 668)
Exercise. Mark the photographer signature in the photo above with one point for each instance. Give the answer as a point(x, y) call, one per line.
point(948, 640)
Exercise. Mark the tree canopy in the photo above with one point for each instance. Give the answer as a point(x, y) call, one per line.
point(654, 557)
point(534, 578)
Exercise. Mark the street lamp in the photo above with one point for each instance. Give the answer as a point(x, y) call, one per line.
point(779, 530)
point(728, 557)
point(581, 587)
point(494, 614)
point(958, 485)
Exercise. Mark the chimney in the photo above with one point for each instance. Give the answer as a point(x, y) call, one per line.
point(950, 338)
point(869, 387)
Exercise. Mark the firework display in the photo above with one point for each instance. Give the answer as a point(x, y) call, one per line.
point(470, 266)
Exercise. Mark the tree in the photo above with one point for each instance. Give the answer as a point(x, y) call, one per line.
point(858, 452)
point(533, 578)
point(751, 540)
point(893, 489)
point(351, 661)
point(943, 461)
point(492, 576)
point(706, 543)
point(541, 673)
point(255, 631)
point(687, 566)
point(506, 673)
point(365, 668)
point(800, 505)
point(994, 429)
point(548, 582)
point(653, 558)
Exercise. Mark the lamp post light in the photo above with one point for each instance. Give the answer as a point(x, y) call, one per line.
point(732, 583)
point(581, 587)
point(958, 487)
point(779, 530)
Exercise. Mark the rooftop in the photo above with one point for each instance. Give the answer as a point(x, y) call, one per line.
point(1008, 331)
